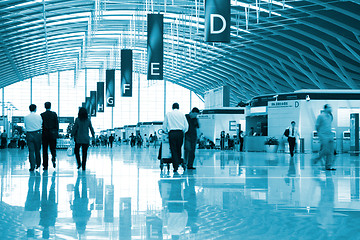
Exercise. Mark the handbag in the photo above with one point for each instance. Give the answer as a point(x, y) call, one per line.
point(70, 151)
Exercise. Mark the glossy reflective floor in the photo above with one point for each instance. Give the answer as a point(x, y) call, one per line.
point(231, 195)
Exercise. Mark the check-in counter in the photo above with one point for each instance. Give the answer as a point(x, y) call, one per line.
point(255, 144)
point(346, 142)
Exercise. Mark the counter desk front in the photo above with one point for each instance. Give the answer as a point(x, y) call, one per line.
point(255, 143)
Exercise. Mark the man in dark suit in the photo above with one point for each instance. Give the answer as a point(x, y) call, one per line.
point(50, 129)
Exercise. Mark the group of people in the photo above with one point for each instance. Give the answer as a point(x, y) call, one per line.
point(104, 140)
point(179, 125)
point(145, 141)
point(42, 130)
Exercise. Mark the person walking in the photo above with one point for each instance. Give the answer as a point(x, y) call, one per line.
point(139, 140)
point(326, 137)
point(111, 140)
point(191, 137)
point(50, 129)
point(33, 123)
point(80, 133)
point(222, 140)
point(241, 140)
point(132, 140)
point(4, 139)
point(175, 124)
point(155, 139)
point(292, 133)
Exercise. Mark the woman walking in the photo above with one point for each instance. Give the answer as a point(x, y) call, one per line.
point(80, 133)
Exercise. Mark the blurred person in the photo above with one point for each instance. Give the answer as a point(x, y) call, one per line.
point(176, 125)
point(80, 133)
point(191, 137)
point(132, 140)
point(222, 140)
point(50, 130)
point(146, 139)
point(326, 137)
point(241, 140)
point(22, 141)
point(139, 140)
point(4, 139)
point(155, 139)
point(33, 123)
point(111, 140)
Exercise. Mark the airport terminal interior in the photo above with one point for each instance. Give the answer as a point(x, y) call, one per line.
point(269, 103)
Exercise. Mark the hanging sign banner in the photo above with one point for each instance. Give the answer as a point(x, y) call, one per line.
point(126, 73)
point(110, 88)
point(155, 46)
point(100, 96)
point(93, 103)
point(217, 20)
point(88, 104)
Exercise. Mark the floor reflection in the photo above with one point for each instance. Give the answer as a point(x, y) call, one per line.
point(81, 210)
point(230, 195)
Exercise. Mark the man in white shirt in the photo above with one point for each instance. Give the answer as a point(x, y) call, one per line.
point(292, 134)
point(33, 124)
point(176, 124)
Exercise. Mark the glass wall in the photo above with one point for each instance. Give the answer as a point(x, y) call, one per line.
point(72, 88)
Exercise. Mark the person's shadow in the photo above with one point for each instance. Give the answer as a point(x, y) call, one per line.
point(325, 210)
point(80, 205)
point(191, 203)
point(49, 209)
point(31, 215)
point(175, 214)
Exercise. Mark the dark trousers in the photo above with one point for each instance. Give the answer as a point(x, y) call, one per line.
point(190, 147)
point(176, 139)
point(241, 144)
point(3, 142)
point(111, 144)
point(34, 144)
point(84, 148)
point(222, 143)
point(48, 141)
point(291, 141)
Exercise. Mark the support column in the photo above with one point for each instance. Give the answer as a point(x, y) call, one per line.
point(112, 117)
point(164, 98)
point(31, 87)
point(85, 82)
point(138, 97)
point(58, 93)
point(190, 100)
point(3, 107)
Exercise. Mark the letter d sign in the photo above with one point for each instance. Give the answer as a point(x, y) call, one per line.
point(217, 20)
